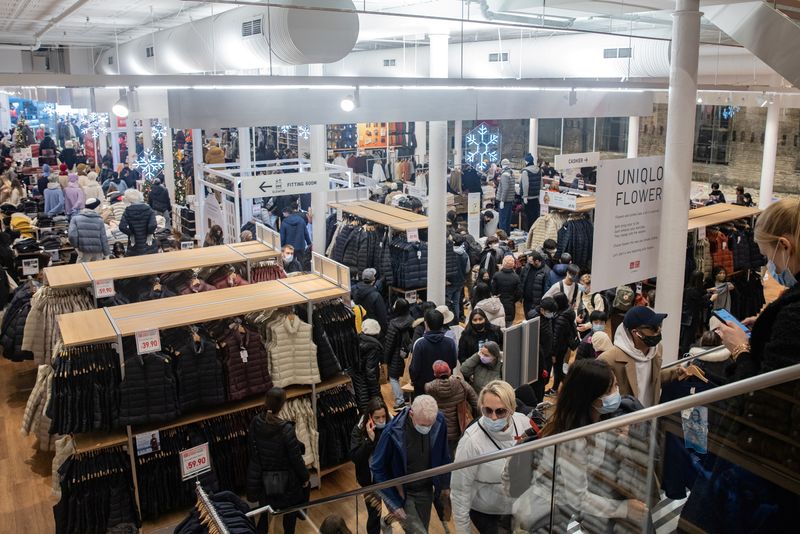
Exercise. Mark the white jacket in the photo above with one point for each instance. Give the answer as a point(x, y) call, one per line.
point(293, 356)
point(481, 487)
point(494, 311)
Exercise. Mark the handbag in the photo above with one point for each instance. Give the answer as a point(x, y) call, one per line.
point(464, 411)
point(275, 483)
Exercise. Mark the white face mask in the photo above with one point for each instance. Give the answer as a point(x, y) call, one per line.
point(288, 258)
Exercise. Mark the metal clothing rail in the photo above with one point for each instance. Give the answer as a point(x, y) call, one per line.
point(205, 503)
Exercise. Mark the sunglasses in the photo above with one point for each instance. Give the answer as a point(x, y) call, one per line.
point(501, 413)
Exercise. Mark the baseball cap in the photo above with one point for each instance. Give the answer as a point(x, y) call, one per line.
point(368, 275)
point(642, 316)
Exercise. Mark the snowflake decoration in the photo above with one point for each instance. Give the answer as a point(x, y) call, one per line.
point(482, 145)
point(729, 111)
point(149, 165)
point(285, 128)
point(158, 130)
point(49, 110)
point(303, 132)
point(94, 124)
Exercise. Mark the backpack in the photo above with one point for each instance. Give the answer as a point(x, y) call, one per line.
point(623, 299)
point(360, 314)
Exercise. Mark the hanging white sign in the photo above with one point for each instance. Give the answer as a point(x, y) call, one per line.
point(576, 161)
point(629, 210)
point(30, 267)
point(195, 461)
point(148, 341)
point(284, 184)
point(412, 235)
point(103, 288)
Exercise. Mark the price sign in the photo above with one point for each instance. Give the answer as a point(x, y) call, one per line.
point(187, 245)
point(412, 235)
point(103, 289)
point(701, 232)
point(411, 297)
point(195, 461)
point(30, 267)
point(54, 255)
point(148, 341)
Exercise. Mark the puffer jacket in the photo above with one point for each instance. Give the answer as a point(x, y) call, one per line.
point(273, 446)
point(293, 356)
point(361, 449)
point(158, 199)
point(13, 325)
point(65, 447)
point(87, 233)
point(327, 362)
point(544, 228)
point(149, 392)
point(54, 199)
point(41, 332)
point(576, 237)
point(35, 417)
point(245, 360)
point(370, 355)
point(449, 392)
point(138, 223)
point(301, 413)
point(495, 311)
point(91, 187)
point(367, 295)
point(457, 265)
point(413, 271)
point(564, 331)
point(556, 275)
point(201, 381)
point(505, 187)
point(73, 196)
point(340, 242)
point(400, 328)
point(534, 285)
point(702, 257)
point(506, 285)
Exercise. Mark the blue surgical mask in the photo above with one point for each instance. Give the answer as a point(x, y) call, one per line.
point(380, 426)
point(493, 425)
point(582, 288)
point(598, 328)
point(610, 403)
point(424, 430)
point(786, 278)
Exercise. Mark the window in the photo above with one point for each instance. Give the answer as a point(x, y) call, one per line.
point(550, 133)
point(612, 134)
point(110, 60)
point(389, 62)
point(251, 27)
point(613, 53)
point(734, 136)
point(712, 137)
point(610, 53)
point(149, 51)
point(498, 57)
point(624, 52)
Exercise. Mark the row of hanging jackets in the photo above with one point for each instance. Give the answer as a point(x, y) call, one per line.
point(358, 247)
point(41, 331)
point(576, 237)
point(12, 328)
point(337, 414)
point(544, 228)
point(409, 261)
point(231, 514)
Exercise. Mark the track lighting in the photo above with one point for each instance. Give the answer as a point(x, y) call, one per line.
point(350, 102)
point(120, 109)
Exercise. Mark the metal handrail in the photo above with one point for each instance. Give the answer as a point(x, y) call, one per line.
point(741, 387)
point(691, 358)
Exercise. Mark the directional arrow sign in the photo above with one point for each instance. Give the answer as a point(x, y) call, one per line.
point(284, 184)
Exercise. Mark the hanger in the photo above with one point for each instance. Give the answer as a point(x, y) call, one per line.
point(693, 370)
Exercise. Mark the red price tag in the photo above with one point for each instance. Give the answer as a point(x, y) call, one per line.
point(104, 289)
point(412, 235)
point(148, 341)
point(195, 461)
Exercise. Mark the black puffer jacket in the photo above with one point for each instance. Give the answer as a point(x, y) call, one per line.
point(361, 449)
point(201, 381)
point(327, 362)
point(370, 356)
point(138, 223)
point(563, 332)
point(534, 285)
point(507, 286)
point(246, 373)
point(576, 238)
point(273, 446)
point(13, 326)
point(149, 392)
point(341, 241)
point(398, 336)
point(158, 199)
point(367, 295)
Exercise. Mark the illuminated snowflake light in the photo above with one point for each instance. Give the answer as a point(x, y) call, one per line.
point(303, 132)
point(149, 165)
point(95, 124)
point(49, 110)
point(482, 146)
point(158, 130)
point(285, 128)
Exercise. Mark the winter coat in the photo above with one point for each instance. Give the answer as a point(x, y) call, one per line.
point(534, 285)
point(545, 227)
point(506, 285)
point(390, 458)
point(294, 231)
point(13, 325)
point(531, 182)
point(74, 199)
point(215, 155)
point(129, 176)
point(361, 449)
point(470, 341)
point(564, 330)
point(68, 157)
point(479, 374)
point(91, 188)
point(624, 367)
point(489, 260)
point(449, 392)
point(396, 343)
point(54, 200)
point(201, 381)
point(87, 233)
point(367, 295)
point(327, 362)
point(505, 187)
point(158, 199)
point(370, 353)
point(458, 267)
point(293, 356)
point(272, 445)
point(494, 309)
point(556, 275)
point(138, 223)
point(65, 447)
point(430, 347)
point(149, 392)
point(35, 418)
point(246, 374)
point(576, 237)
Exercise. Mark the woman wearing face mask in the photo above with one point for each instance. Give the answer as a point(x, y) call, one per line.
point(483, 299)
point(363, 439)
point(477, 493)
point(483, 366)
point(477, 332)
point(590, 393)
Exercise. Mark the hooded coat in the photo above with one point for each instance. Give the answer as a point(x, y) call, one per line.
point(449, 392)
point(494, 310)
point(398, 334)
point(478, 373)
point(430, 347)
point(53, 199)
point(87, 233)
point(506, 285)
point(74, 199)
point(367, 295)
point(158, 199)
point(294, 231)
point(138, 223)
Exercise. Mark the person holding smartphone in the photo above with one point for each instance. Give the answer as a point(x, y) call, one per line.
point(363, 439)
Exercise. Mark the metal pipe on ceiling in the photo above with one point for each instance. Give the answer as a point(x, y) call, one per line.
point(56, 20)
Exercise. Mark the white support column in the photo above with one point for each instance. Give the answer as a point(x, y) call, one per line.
point(319, 199)
point(633, 137)
point(421, 133)
point(677, 170)
point(199, 196)
point(102, 147)
point(533, 139)
point(147, 135)
point(115, 147)
point(245, 162)
point(130, 139)
point(437, 181)
point(458, 142)
point(768, 155)
point(5, 114)
point(169, 159)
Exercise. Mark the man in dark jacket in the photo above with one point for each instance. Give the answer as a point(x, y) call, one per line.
point(456, 277)
point(559, 270)
point(506, 285)
point(531, 184)
point(129, 176)
point(294, 231)
point(138, 223)
point(158, 199)
point(415, 440)
point(396, 347)
point(433, 345)
point(366, 294)
point(290, 263)
point(87, 233)
point(534, 281)
point(68, 156)
point(471, 181)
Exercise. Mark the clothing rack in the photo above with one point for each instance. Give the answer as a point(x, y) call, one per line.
point(395, 218)
point(206, 508)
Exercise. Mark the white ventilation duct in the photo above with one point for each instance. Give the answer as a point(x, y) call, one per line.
point(238, 40)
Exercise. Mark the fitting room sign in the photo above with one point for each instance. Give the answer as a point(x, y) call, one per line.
point(628, 214)
point(270, 185)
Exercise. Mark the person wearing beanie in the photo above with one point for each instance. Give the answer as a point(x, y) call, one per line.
point(531, 185)
point(370, 355)
point(158, 199)
point(53, 197)
point(74, 198)
point(433, 345)
point(504, 195)
point(87, 233)
point(367, 295)
point(138, 223)
point(68, 156)
point(91, 188)
point(451, 393)
point(43, 180)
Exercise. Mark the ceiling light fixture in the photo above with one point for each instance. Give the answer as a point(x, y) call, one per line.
point(699, 100)
point(120, 109)
point(350, 102)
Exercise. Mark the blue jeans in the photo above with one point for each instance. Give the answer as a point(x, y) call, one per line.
point(455, 295)
point(505, 217)
point(397, 390)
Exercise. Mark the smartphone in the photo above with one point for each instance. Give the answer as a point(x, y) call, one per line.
point(726, 317)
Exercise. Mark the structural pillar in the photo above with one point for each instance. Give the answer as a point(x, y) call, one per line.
point(319, 155)
point(677, 170)
point(130, 138)
point(769, 154)
point(437, 181)
point(458, 144)
point(199, 194)
point(147, 134)
point(633, 136)
point(244, 163)
point(115, 147)
point(421, 133)
point(533, 139)
point(169, 160)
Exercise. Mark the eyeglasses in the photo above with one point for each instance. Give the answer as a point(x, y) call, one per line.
point(501, 413)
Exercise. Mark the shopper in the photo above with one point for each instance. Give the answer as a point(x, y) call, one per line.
point(53, 197)
point(73, 196)
point(489, 221)
point(716, 196)
point(546, 312)
point(367, 295)
point(414, 441)
point(748, 200)
point(637, 355)
point(506, 285)
point(531, 184)
point(91, 188)
point(477, 492)
point(483, 299)
point(565, 338)
point(68, 156)
point(294, 231)
point(433, 345)
point(559, 271)
point(589, 392)
point(370, 356)
point(18, 192)
point(505, 194)
point(214, 237)
point(568, 286)
point(290, 263)
point(397, 347)
point(87, 233)
point(276, 473)
point(456, 278)
point(419, 323)
point(483, 366)
point(214, 154)
point(721, 290)
point(363, 439)
point(138, 223)
point(130, 176)
point(477, 332)
point(158, 199)
point(740, 195)
point(549, 250)
point(533, 281)
point(44, 179)
point(490, 256)
point(456, 399)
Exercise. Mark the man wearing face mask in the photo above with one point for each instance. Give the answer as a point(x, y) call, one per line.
point(290, 263)
point(415, 440)
point(637, 354)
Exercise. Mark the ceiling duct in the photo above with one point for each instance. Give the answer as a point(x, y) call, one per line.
point(240, 40)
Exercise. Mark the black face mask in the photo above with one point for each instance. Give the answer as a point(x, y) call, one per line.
point(650, 341)
point(478, 326)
